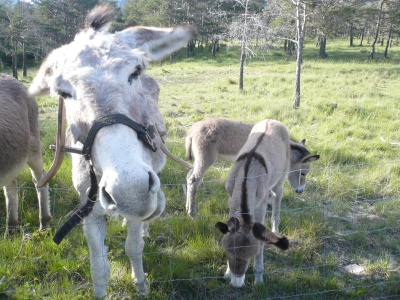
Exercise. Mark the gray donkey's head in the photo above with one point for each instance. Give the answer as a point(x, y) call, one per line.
point(101, 74)
point(300, 165)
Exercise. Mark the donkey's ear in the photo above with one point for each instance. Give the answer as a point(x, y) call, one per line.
point(232, 225)
point(309, 159)
point(40, 84)
point(303, 142)
point(223, 227)
point(157, 43)
point(262, 234)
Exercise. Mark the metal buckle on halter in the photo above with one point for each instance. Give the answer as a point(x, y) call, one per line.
point(150, 141)
point(146, 135)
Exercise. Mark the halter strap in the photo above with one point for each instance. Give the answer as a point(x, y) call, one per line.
point(146, 135)
point(82, 212)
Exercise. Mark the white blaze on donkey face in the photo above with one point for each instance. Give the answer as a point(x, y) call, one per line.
point(99, 74)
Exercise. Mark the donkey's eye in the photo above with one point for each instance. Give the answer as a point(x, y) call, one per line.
point(64, 95)
point(135, 74)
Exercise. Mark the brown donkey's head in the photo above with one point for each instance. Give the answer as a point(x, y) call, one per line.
point(300, 165)
point(241, 242)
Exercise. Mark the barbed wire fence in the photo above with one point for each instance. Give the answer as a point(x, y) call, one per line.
point(344, 231)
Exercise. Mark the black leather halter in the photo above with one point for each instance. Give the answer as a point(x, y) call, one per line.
point(146, 135)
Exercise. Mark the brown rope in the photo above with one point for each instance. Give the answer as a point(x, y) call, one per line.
point(169, 154)
point(60, 143)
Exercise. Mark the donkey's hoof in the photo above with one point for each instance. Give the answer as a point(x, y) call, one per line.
point(142, 288)
point(227, 275)
point(259, 279)
point(100, 291)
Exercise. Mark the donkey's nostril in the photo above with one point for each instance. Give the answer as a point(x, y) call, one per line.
point(151, 181)
point(108, 200)
point(154, 182)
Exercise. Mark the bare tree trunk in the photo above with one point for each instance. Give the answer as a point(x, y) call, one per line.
point(322, 48)
point(362, 38)
point(24, 72)
point(241, 68)
point(378, 24)
point(214, 45)
point(289, 49)
point(299, 52)
point(243, 49)
point(14, 60)
point(385, 54)
point(351, 34)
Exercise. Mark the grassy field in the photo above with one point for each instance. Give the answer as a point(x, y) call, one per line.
point(344, 229)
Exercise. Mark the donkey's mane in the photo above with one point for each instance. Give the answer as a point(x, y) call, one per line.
point(100, 18)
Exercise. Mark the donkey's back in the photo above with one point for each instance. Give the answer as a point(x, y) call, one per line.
point(208, 140)
point(223, 137)
point(267, 151)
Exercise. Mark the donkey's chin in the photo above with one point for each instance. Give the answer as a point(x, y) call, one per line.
point(299, 189)
point(136, 208)
point(154, 207)
point(237, 281)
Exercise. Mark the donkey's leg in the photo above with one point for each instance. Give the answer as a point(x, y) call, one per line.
point(276, 206)
point(227, 274)
point(134, 249)
point(192, 186)
point(145, 231)
point(94, 227)
point(201, 164)
point(259, 216)
point(35, 163)
point(11, 194)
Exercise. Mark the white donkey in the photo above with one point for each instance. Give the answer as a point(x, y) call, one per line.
point(100, 77)
point(263, 164)
point(20, 145)
point(208, 140)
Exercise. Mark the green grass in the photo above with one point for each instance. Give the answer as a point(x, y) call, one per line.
point(349, 213)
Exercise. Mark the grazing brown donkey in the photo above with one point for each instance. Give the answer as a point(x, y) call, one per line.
point(210, 139)
point(20, 145)
point(263, 164)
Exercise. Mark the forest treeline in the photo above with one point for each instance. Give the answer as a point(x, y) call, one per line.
point(30, 29)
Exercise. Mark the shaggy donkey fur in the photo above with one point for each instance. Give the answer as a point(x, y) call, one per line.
point(208, 140)
point(20, 145)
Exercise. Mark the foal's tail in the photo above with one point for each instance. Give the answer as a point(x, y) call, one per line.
point(188, 147)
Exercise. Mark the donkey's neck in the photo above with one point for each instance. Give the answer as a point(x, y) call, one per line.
point(244, 195)
point(249, 165)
